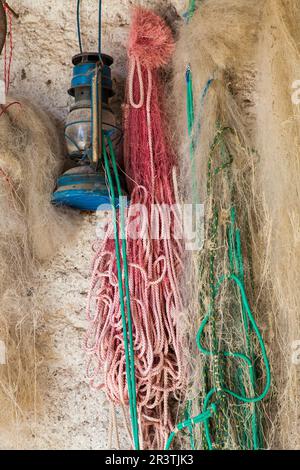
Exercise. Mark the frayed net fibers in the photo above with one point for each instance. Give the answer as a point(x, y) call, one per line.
point(32, 231)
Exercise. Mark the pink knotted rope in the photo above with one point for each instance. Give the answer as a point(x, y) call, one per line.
point(155, 264)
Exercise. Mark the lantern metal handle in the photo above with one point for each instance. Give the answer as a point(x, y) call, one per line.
point(97, 113)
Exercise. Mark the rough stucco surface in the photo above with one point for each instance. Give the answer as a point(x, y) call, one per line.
point(74, 416)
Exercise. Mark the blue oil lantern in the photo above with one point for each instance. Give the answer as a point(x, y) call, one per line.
point(84, 186)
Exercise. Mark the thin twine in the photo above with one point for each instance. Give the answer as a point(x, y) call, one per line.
point(127, 326)
point(12, 188)
point(5, 108)
point(113, 428)
point(5, 176)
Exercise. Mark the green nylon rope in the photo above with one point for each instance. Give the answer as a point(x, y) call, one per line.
point(255, 399)
point(190, 122)
point(126, 320)
point(203, 417)
point(126, 277)
point(236, 262)
point(244, 399)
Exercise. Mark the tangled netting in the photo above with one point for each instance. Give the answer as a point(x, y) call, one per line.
point(154, 253)
point(223, 292)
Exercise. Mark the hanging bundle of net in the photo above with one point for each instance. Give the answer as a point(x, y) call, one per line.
point(154, 255)
point(31, 232)
point(228, 364)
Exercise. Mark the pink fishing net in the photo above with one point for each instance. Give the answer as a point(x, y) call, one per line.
point(154, 252)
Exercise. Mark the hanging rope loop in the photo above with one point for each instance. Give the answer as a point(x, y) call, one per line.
point(135, 67)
